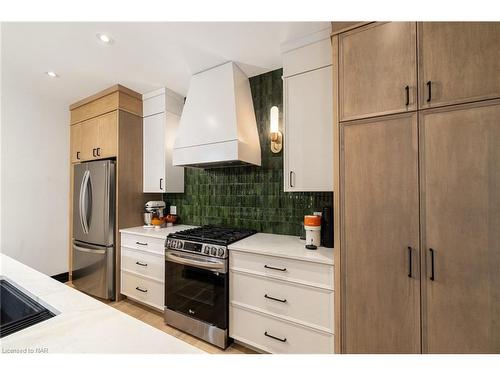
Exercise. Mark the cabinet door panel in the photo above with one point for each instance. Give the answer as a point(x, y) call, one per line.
point(108, 134)
point(90, 138)
point(76, 143)
point(376, 63)
point(461, 216)
point(309, 131)
point(154, 153)
point(461, 60)
point(379, 207)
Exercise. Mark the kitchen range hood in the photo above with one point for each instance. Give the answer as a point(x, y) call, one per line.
point(218, 127)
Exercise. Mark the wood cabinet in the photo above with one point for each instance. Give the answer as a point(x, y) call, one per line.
point(432, 177)
point(95, 138)
point(377, 70)
point(76, 143)
point(308, 137)
point(461, 216)
point(381, 235)
point(109, 125)
point(162, 110)
point(459, 62)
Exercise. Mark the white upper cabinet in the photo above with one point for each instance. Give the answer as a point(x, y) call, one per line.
point(308, 118)
point(162, 110)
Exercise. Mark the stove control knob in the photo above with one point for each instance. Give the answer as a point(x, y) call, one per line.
point(179, 244)
point(206, 250)
point(213, 251)
point(221, 252)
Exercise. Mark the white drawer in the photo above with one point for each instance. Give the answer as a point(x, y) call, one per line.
point(317, 274)
point(251, 328)
point(134, 241)
point(144, 290)
point(303, 304)
point(144, 262)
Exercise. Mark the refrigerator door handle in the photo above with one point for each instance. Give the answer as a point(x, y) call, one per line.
point(87, 250)
point(82, 202)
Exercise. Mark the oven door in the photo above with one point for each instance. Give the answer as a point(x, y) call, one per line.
point(197, 286)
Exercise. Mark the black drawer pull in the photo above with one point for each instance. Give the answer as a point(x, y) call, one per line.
point(429, 91)
point(141, 264)
point(141, 290)
point(407, 89)
point(432, 264)
point(275, 268)
point(274, 337)
point(142, 243)
point(93, 152)
point(275, 299)
point(78, 155)
point(98, 151)
point(409, 262)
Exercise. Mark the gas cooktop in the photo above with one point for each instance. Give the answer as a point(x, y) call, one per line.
point(213, 234)
point(208, 240)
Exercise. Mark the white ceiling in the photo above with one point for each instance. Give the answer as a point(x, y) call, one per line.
point(143, 57)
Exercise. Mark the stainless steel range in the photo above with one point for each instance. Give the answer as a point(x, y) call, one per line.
point(197, 281)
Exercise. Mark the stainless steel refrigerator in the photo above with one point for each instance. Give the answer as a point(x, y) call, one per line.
point(93, 228)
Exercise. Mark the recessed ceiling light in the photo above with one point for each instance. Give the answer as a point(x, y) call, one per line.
point(52, 74)
point(106, 39)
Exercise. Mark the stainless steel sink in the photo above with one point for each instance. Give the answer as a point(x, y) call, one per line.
point(18, 310)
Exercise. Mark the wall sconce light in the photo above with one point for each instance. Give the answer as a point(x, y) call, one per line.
point(276, 136)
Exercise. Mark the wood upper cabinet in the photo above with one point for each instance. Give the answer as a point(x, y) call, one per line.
point(96, 138)
point(380, 241)
point(461, 215)
point(90, 136)
point(107, 141)
point(377, 70)
point(459, 62)
point(76, 143)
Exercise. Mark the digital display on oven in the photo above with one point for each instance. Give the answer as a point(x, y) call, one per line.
point(192, 246)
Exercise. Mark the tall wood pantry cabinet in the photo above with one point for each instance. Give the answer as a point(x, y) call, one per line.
point(417, 183)
point(109, 125)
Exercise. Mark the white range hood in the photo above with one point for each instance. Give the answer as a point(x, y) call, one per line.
point(218, 127)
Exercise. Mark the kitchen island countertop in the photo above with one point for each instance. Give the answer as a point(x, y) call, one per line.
point(82, 324)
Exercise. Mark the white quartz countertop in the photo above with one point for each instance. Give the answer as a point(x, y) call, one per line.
point(283, 246)
point(82, 324)
point(154, 232)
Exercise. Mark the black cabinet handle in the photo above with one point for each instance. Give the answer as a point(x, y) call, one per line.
point(93, 152)
point(141, 290)
point(407, 89)
point(274, 337)
point(275, 299)
point(141, 264)
point(275, 268)
point(98, 151)
point(432, 264)
point(142, 243)
point(78, 155)
point(429, 91)
point(409, 262)
point(290, 179)
point(161, 180)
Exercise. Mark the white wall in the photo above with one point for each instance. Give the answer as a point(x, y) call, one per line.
point(35, 177)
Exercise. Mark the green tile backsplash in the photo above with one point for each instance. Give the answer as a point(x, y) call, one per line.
point(249, 197)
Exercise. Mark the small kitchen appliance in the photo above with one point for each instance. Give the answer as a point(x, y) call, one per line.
point(153, 209)
point(327, 227)
point(197, 281)
point(312, 226)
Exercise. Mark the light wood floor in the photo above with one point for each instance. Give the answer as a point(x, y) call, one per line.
point(155, 318)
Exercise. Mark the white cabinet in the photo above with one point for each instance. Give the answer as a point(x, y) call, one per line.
point(161, 109)
point(289, 310)
point(308, 122)
point(143, 269)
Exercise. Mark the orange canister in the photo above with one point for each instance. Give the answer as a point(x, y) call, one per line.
point(312, 226)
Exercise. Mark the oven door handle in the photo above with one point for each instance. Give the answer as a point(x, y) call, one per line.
point(212, 266)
